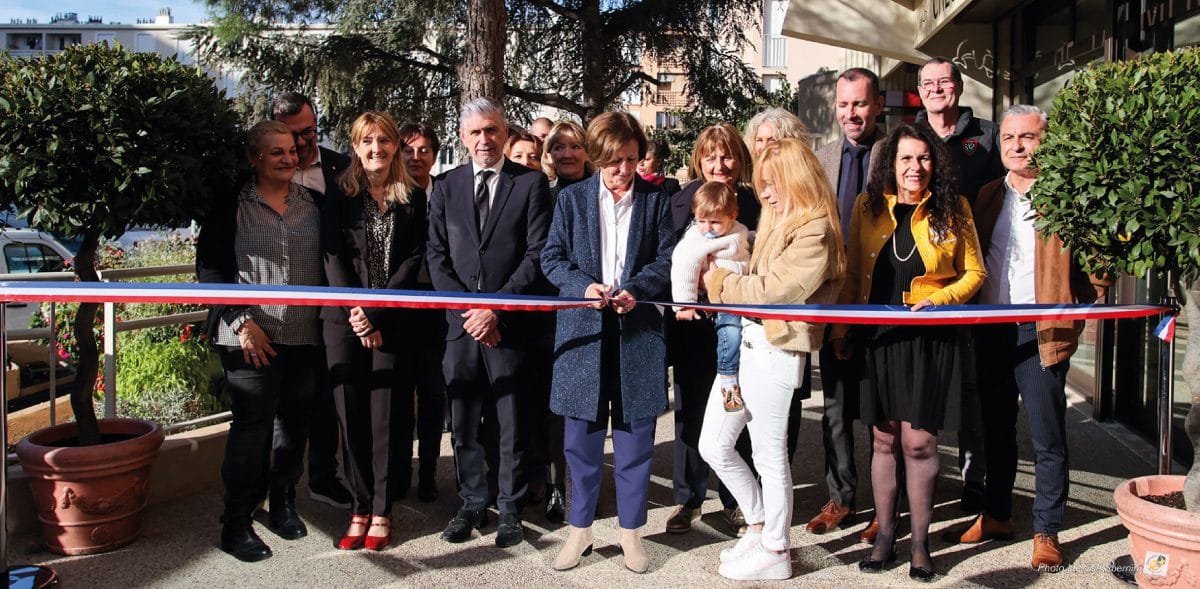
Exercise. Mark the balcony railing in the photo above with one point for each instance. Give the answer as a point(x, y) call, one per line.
point(672, 99)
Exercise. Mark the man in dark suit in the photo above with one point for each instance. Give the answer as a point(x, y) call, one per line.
point(847, 163)
point(487, 225)
point(317, 168)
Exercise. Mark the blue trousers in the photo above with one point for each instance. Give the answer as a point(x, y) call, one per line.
point(633, 447)
point(1009, 366)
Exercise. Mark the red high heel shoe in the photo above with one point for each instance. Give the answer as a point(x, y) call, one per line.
point(378, 543)
point(356, 541)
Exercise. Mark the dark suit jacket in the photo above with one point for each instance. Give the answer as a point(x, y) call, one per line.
point(571, 261)
point(504, 258)
point(332, 166)
point(216, 261)
point(344, 247)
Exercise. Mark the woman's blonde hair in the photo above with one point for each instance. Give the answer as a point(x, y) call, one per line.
point(399, 184)
point(564, 131)
point(725, 137)
point(799, 181)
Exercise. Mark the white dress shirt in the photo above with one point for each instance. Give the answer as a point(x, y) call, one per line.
point(1010, 257)
point(312, 176)
point(614, 235)
point(492, 182)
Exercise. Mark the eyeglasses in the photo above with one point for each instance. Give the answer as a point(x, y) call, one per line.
point(939, 83)
point(308, 134)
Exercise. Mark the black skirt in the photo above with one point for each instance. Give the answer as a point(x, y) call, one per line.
point(912, 373)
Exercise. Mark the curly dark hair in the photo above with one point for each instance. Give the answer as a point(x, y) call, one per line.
point(946, 212)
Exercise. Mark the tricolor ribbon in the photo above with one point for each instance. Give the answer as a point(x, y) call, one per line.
point(243, 294)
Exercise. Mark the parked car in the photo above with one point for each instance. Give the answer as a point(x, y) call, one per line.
point(28, 251)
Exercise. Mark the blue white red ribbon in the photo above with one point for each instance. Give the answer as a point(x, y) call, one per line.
point(242, 294)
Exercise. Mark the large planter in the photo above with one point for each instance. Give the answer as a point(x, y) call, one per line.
point(1163, 541)
point(90, 499)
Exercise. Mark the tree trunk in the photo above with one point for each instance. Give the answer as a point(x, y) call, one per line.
point(1190, 299)
point(593, 61)
point(481, 73)
point(85, 336)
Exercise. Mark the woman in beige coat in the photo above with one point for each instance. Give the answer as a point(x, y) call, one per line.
point(797, 259)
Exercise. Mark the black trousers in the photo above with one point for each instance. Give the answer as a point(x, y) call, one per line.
point(839, 382)
point(1010, 366)
point(477, 389)
point(692, 349)
point(367, 383)
point(429, 330)
point(324, 435)
point(271, 408)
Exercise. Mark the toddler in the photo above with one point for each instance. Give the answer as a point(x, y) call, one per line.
point(716, 232)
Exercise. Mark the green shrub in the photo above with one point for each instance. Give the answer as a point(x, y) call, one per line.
point(1119, 164)
point(165, 374)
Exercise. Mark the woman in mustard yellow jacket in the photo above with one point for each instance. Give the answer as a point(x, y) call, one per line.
point(912, 242)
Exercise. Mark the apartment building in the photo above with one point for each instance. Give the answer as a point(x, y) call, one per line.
point(773, 56)
point(157, 34)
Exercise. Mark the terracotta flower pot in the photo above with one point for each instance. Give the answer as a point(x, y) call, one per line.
point(1163, 541)
point(90, 499)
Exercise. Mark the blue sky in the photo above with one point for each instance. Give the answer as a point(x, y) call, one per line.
point(124, 11)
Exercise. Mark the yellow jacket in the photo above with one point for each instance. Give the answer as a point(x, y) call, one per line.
point(790, 266)
point(954, 268)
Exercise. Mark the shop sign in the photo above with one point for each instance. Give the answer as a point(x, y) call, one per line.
point(932, 14)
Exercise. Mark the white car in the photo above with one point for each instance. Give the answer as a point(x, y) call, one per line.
point(28, 251)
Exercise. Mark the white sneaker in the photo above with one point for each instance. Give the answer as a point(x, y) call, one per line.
point(758, 564)
point(744, 544)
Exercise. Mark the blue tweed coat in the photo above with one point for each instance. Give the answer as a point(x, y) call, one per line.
point(571, 260)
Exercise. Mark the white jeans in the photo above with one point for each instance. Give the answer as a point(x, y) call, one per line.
point(768, 378)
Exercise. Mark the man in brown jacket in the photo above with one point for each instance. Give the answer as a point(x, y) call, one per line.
point(1027, 359)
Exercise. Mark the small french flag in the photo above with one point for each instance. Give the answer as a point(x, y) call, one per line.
point(1166, 328)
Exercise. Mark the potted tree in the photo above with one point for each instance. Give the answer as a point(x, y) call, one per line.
point(1118, 183)
point(99, 139)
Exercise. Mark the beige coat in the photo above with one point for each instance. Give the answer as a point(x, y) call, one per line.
point(790, 266)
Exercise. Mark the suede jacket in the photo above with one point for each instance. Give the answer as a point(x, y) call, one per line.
point(793, 265)
point(1057, 279)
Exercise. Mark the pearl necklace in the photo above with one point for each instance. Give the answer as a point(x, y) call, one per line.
point(897, 254)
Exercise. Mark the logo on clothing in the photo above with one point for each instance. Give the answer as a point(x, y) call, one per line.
point(970, 146)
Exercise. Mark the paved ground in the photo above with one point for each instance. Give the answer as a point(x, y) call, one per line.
point(180, 544)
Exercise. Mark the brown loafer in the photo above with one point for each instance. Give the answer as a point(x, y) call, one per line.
point(870, 532)
point(681, 519)
point(1047, 556)
point(830, 518)
point(983, 528)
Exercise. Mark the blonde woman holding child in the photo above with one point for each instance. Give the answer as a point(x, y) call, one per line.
point(798, 259)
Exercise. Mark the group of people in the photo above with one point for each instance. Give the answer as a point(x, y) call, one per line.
point(932, 212)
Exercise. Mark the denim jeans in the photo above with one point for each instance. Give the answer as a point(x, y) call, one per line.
point(729, 343)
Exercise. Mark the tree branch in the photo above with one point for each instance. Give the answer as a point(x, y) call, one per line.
point(554, 100)
point(630, 80)
point(556, 8)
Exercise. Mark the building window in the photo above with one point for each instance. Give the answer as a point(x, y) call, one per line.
point(773, 83)
point(666, 120)
point(145, 43)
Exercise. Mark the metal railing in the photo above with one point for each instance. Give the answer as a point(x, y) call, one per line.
point(111, 328)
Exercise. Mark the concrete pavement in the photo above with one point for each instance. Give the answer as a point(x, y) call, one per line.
point(180, 549)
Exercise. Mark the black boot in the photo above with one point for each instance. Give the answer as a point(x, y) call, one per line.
point(240, 541)
point(282, 518)
point(556, 505)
